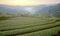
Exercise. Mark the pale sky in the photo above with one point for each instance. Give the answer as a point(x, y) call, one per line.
point(28, 2)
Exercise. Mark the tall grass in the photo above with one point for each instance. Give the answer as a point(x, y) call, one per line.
point(29, 29)
point(28, 26)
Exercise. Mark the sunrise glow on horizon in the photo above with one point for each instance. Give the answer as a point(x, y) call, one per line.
point(28, 2)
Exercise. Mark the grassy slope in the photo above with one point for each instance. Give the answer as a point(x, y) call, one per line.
point(24, 25)
point(47, 32)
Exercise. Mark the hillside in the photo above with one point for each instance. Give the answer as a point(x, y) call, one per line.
point(29, 26)
point(45, 10)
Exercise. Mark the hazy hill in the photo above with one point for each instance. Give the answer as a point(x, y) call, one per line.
point(45, 10)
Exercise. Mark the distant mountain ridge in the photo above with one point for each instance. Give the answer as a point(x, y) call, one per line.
point(45, 10)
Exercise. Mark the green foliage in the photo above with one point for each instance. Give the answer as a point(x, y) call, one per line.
point(0, 13)
point(56, 14)
point(29, 26)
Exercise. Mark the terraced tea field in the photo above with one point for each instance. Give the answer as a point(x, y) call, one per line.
point(29, 26)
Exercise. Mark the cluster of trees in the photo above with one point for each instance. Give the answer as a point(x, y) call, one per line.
point(50, 11)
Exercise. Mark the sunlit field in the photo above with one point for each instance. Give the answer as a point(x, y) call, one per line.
point(28, 26)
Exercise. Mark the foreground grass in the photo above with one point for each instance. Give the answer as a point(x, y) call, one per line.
point(28, 30)
point(28, 26)
point(47, 32)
